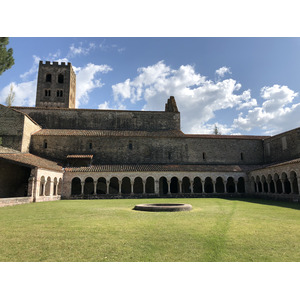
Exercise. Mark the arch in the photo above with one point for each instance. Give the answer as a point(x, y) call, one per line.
point(126, 186)
point(60, 78)
point(265, 184)
point(138, 186)
point(230, 186)
point(101, 186)
point(76, 186)
point(197, 185)
point(186, 185)
point(294, 182)
point(286, 183)
point(174, 185)
point(55, 186)
point(149, 187)
point(220, 185)
point(42, 186)
point(241, 185)
point(47, 187)
point(163, 186)
point(88, 186)
point(114, 185)
point(59, 186)
point(278, 184)
point(208, 185)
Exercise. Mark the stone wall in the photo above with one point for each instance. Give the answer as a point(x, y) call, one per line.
point(150, 150)
point(14, 201)
point(282, 147)
point(29, 128)
point(96, 119)
point(11, 128)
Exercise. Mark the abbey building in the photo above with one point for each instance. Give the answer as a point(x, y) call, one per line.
point(54, 151)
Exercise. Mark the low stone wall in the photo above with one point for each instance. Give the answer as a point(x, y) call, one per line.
point(15, 201)
point(47, 198)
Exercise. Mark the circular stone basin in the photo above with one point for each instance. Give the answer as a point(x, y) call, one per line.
point(163, 207)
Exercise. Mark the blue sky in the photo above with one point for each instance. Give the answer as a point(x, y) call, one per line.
point(243, 85)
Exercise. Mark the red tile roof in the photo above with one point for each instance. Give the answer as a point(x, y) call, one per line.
point(132, 133)
point(122, 133)
point(161, 168)
point(31, 160)
point(80, 156)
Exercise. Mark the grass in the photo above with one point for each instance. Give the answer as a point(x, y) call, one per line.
point(109, 230)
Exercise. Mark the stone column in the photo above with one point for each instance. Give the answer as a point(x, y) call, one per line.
point(51, 188)
point(95, 187)
point(180, 186)
point(214, 186)
point(107, 187)
point(262, 187)
point(169, 186)
point(291, 184)
point(202, 186)
point(269, 186)
point(82, 188)
point(235, 186)
point(144, 187)
point(283, 187)
point(298, 181)
point(30, 189)
point(120, 186)
point(192, 186)
point(275, 186)
point(131, 187)
point(156, 187)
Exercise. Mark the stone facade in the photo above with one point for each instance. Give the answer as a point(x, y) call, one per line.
point(56, 86)
point(85, 153)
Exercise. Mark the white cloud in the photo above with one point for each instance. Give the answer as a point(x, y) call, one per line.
point(80, 50)
point(276, 114)
point(87, 81)
point(33, 69)
point(197, 98)
point(25, 93)
point(104, 105)
point(222, 71)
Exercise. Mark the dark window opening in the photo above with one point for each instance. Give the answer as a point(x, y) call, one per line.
point(91, 146)
point(48, 78)
point(242, 156)
point(59, 93)
point(204, 156)
point(169, 155)
point(60, 78)
point(47, 93)
point(130, 146)
point(45, 144)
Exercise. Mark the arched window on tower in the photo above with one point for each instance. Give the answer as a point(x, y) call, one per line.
point(48, 78)
point(60, 78)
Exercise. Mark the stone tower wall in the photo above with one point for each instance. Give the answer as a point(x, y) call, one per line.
point(51, 92)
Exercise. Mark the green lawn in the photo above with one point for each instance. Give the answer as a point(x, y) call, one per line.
point(109, 230)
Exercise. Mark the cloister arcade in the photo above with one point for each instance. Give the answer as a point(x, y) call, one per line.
point(153, 185)
point(50, 186)
point(276, 182)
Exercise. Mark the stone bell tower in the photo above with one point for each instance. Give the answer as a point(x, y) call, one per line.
point(56, 85)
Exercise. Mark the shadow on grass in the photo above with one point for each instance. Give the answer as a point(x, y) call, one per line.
point(272, 202)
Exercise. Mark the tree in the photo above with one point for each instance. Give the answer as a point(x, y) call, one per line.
point(11, 96)
point(6, 56)
point(216, 130)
